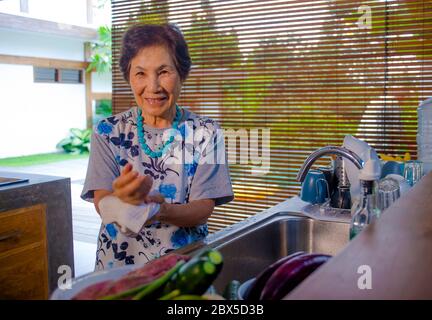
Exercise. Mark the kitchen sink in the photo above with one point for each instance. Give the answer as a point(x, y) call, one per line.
point(248, 250)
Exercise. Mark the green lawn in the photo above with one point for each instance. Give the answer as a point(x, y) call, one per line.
point(39, 159)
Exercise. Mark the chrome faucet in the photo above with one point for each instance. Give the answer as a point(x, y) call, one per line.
point(341, 197)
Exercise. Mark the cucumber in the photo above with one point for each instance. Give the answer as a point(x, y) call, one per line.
point(195, 276)
point(231, 290)
point(211, 255)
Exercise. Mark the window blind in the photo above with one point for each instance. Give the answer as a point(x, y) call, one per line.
point(308, 71)
point(44, 74)
point(70, 76)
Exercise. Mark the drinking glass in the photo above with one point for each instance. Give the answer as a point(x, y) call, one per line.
point(413, 171)
point(388, 192)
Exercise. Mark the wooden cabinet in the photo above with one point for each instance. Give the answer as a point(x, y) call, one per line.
point(23, 254)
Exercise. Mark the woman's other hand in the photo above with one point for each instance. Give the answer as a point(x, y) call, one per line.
point(155, 197)
point(130, 187)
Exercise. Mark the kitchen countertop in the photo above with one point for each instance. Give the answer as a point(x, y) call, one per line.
point(396, 251)
point(32, 180)
point(55, 193)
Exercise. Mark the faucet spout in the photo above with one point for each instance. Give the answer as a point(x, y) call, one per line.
point(340, 151)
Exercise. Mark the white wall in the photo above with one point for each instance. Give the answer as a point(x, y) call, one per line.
point(10, 6)
point(64, 11)
point(34, 117)
point(101, 82)
point(20, 43)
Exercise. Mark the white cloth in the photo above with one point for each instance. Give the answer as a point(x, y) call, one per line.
point(128, 217)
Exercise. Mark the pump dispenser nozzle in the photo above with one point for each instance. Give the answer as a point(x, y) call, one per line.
point(371, 170)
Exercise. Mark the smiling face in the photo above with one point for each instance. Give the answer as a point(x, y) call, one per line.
point(155, 82)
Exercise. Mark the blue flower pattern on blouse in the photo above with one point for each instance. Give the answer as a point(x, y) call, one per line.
point(104, 128)
point(185, 235)
point(182, 130)
point(168, 190)
point(120, 161)
point(112, 245)
point(180, 238)
point(112, 231)
point(191, 168)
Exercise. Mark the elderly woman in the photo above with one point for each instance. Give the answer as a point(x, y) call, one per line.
point(150, 175)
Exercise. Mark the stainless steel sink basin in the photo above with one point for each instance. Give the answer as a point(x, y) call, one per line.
point(250, 249)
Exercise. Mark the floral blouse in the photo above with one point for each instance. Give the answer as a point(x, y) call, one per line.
point(191, 169)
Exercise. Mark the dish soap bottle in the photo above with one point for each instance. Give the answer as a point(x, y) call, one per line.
point(367, 209)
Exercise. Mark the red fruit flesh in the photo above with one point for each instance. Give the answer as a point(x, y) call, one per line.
point(138, 277)
point(94, 290)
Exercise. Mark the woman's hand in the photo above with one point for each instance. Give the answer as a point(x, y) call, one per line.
point(156, 198)
point(130, 187)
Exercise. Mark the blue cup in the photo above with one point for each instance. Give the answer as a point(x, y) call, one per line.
point(315, 188)
point(392, 167)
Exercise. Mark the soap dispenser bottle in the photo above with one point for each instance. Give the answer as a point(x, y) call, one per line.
point(367, 209)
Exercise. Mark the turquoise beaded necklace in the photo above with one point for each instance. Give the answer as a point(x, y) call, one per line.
point(165, 146)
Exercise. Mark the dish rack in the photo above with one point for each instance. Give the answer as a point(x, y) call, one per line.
point(324, 211)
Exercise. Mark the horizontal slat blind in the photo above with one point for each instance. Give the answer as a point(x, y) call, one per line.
point(310, 71)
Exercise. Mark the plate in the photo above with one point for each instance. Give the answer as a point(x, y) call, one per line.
point(88, 279)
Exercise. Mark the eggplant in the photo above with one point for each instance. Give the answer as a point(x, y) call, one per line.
point(261, 280)
point(290, 274)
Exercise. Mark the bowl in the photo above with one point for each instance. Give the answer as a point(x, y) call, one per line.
point(244, 288)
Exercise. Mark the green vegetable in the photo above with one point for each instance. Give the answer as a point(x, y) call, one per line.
point(196, 275)
point(159, 283)
point(211, 254)
point(231, 290)
point(125, 294)
point(189, 297)
point(170, 295)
